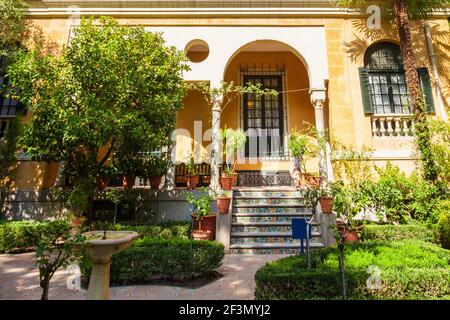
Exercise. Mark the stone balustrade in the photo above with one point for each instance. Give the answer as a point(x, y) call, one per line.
point(392, 126)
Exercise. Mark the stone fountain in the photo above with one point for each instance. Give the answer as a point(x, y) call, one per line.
point(101, 245)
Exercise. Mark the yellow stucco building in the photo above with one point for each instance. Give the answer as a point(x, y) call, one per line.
point(316, 55)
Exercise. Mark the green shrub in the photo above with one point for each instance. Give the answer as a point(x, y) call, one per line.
point(398, 232)
point(166, 230)
point(22, 236)
point(402, 198)
point(176, 259)
point(410, 269)
point(444, 224)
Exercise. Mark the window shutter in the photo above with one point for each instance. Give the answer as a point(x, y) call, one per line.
point(365, 90)
point(427, 89)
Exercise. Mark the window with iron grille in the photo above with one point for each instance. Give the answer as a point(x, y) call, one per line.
point(387, 79)
point(263, 117)
point(383, 82)
point(8, 107)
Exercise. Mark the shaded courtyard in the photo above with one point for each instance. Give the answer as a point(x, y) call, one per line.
point(19, 279)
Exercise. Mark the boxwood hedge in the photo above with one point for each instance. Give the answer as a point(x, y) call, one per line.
point(175, 259)
point(410, 269)
point(398, 232)
point(165, 230)
point(22, 236)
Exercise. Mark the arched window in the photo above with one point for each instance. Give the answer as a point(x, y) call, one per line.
point(389, 92)
point(383, 81)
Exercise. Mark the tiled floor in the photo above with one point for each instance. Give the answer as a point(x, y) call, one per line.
point(19, 279)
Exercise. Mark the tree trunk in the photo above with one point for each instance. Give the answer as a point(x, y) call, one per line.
point(423, 134)
point(90, 212)
point(400, 8)
point(45, 285)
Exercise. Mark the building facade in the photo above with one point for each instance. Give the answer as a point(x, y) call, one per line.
point(332, 68)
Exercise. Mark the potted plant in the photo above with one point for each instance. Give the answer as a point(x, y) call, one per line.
point(226, 180)
point(349, 202)
point(203, 220)
point(192, 178)
point(223, 201)
point(155, 167)
point(234, 140)
point(301, 147)
point(104, 176)
point(326, 200)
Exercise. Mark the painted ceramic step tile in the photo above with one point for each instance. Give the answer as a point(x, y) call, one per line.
point(277, 194)
point(281, 240)
point(287, 209)
point(275, 218)
point(268, 201)
point(289, 251)
point(271, 228)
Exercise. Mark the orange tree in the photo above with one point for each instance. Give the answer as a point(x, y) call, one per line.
point(112, 85)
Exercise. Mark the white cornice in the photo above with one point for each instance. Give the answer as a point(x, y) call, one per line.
point(196, 8)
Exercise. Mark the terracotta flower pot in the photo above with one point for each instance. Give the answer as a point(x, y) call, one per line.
point(155, 182)
point(312, 180)
point(128, 181)
point(102, 183)
point(235, 179)
point(208, 223)
point(227, 183)
point(327, 205)
point(192, 182)
point(349, 235)
point(223, 204)
point(201, 234)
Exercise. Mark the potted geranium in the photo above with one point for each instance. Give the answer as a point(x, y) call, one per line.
point(155, 167)
point(234, 140)
point(204, 221)
point(192, 177)
point(223, 201)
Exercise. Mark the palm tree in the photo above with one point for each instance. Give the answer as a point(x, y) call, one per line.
point(403, 11)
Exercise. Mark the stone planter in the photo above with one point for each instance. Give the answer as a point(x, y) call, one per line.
point(101, 251)
point(201, 234)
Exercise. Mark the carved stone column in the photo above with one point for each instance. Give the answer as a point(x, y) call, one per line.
point(215, 150)
point(318, 97)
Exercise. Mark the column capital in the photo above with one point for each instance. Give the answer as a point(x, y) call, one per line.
point(318, 96)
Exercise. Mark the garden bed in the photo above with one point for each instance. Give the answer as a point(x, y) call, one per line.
point(410, 269)
point(177, 262)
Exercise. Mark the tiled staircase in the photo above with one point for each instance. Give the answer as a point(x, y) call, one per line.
point(261, 221)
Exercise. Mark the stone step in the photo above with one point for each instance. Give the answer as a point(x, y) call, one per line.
point(269, 205)
point(289, 210)
point(266, 234)
point(268, 194)
point(270, 248)
point(284, 226)
point(272, 202)
point(264, 217)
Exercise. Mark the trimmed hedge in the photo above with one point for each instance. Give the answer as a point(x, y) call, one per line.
point(166, 230)
point(398, 232)
point(175, 259)
point(410, 269)
point(23, 236)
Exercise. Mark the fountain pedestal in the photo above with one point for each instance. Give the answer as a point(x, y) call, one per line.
point(101, 251)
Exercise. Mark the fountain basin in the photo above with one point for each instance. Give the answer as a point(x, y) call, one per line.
point(101, 251)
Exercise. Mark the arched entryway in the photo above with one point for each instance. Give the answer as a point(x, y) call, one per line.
point(276, 66)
